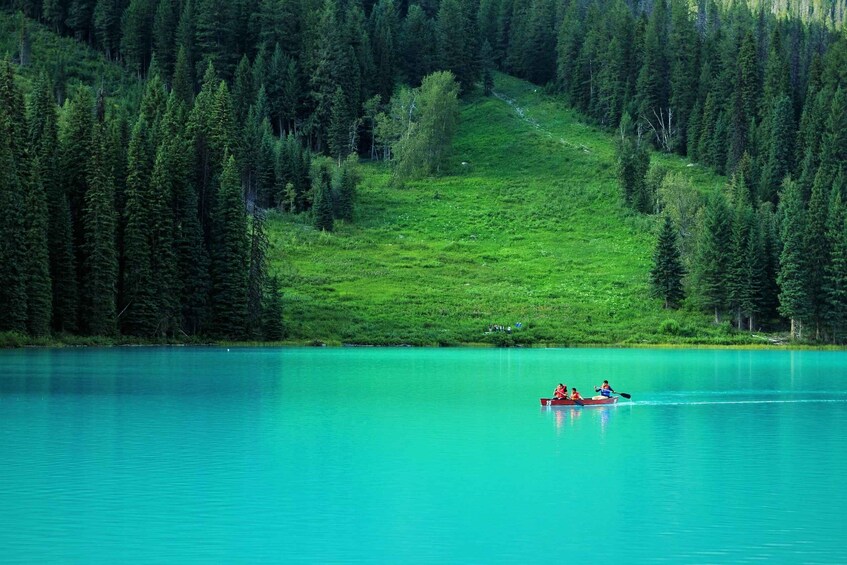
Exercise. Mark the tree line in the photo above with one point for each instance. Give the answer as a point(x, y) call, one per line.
point(148, 224)
point(753, 90)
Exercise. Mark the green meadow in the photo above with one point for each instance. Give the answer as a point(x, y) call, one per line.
point(526, 227)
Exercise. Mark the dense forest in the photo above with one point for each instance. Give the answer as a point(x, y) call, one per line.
point(140, 212)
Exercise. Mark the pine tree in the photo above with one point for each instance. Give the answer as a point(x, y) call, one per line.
point(100, 269)
point(712, 255)
point(683, 47)
point(338, 134)
point(817, 252)
point(13, 295)
point(835, 276)
point(164, 36)
point(487, 56)
point(39, 290)
point(384, 40)
point(323, 206)
point(231, 260)
point(792, 277)
point(136, 32)
point(633, 162)
point(183, 78)
point(107, 27)
point(272, 326)
point(417, 51)
point(257, 277)
point(652, 88)
point(667, 272)
point(781, 151)
point(454, 49)
point(140, 316)
point(347, 181)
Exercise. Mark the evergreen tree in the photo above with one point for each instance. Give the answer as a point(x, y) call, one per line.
point(140, 313)
point(257, 278)
point(667, 272)
point(817, 251)
point(164, 36)
point(137, 29)
point(713, 255)
point(100, 269)
point(183, 77)
point(653, 78)
point(39, 290)
point(347, 180)
point(107, 27)
point(323, 206)
point(682, 48)
point(417, 51)
point(455, 51)
point(43, 137)
point(13, 288)
point(340, 126)
point(781, 151)
point(835, 277)
point(231, 259)
point(384, 40)
point(272, 326)
point(487, 56)
point(633, 162)
point(792, 278)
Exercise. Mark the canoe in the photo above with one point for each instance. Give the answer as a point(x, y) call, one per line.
point(585, 401)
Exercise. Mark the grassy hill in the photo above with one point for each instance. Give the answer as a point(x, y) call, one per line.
point(528, 228)
point(68, 62)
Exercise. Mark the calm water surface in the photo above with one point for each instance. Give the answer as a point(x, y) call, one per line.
point(421, 456)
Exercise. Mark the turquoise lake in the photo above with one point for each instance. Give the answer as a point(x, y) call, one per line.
point(361, 455)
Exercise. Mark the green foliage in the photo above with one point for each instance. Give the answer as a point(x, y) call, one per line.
point(632, 164)
point(792, 277)
point(230, 258)
point(667, 272)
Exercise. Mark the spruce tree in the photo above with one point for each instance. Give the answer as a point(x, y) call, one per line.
point(817, 254)
point(323, 207)
point(835, 277)
point(164, 36)
point(13, 288)
point(340, 125)
point(140, 316)
point(100, 269)
point(793, 266)
point(39, 289)
point(667, 272)
point(272, 326)
point(713, 255)
point(257, 277)
point(231, 259)
point(780, 156)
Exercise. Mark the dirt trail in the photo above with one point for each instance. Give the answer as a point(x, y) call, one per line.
point(521, 112)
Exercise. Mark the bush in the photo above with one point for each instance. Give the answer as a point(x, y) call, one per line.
point(670, 327)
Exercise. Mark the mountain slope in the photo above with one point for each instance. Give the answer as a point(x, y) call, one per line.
point(528, 228)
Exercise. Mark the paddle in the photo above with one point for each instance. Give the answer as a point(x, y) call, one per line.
point(577, 402)
point(624, 394)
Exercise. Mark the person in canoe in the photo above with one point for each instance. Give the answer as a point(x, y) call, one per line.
point(560, 392)
point(605, 389)
point(575, 394)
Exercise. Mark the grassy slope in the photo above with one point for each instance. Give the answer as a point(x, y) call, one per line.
point(81, 65)
point(530, 230)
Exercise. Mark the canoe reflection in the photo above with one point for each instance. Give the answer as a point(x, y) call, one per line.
point(569, 415)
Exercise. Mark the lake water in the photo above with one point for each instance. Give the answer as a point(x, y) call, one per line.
point(347, 455)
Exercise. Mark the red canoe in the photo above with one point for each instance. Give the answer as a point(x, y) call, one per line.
point(584, 401)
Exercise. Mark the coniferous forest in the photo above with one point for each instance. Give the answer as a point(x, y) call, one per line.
point(140, 210)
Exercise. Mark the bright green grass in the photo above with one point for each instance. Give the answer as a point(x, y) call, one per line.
point(82, 65)
point(528, 228)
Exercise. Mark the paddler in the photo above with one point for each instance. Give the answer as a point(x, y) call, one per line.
point(560, 392)
point(605, 389)
point(575, 394)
